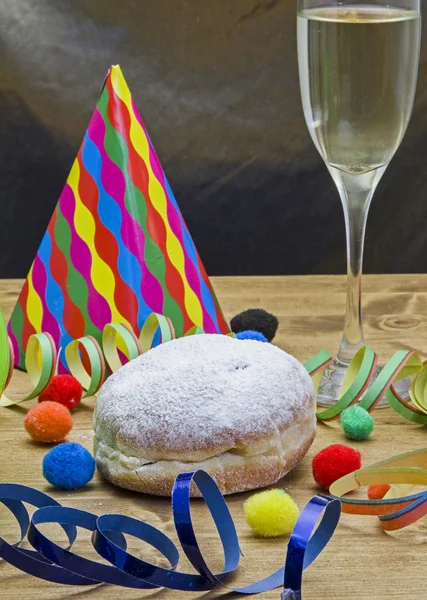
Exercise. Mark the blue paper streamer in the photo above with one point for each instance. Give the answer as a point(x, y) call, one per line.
point(51, 562)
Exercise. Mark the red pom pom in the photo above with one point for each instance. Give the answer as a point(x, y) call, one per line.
point(377, 492)
point(334, 462)
point(64, 389)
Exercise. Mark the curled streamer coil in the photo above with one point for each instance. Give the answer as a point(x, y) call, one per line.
point(88, 367)
point(359, 384)
point(394, 511)
point(51, 562)
point(119, 343)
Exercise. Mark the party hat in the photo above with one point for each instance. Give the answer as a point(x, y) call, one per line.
point(117, 247)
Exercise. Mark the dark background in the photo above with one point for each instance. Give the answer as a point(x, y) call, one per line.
point(216, 82)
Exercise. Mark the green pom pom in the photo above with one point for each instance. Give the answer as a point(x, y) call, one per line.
point(357, 423)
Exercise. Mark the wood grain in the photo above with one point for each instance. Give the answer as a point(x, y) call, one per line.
point(361, 561)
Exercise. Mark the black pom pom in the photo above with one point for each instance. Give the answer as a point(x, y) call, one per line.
point(255, 319)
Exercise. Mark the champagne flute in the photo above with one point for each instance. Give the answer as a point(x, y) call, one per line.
point(358, 67)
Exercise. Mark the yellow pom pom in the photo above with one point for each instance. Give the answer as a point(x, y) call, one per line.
point(271, 513)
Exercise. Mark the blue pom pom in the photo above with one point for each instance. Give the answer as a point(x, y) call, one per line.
point(68, 466)
point(251, 335)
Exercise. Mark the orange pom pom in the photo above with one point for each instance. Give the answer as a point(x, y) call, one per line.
point(48, 422)
point(377, 492)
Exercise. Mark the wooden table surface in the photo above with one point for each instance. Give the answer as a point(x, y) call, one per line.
point(361, 561)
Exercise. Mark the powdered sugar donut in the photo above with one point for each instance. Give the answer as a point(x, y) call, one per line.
point(242, 410)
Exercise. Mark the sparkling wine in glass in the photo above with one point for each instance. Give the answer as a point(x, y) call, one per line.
point(358, 67)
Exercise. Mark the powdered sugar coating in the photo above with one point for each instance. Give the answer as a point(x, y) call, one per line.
point(201, 395)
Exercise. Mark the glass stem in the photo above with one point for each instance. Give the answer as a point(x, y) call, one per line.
point(355, 213)
point(356, 193)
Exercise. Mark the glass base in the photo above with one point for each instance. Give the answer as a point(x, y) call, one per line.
point(331, 383)
point(402, 387)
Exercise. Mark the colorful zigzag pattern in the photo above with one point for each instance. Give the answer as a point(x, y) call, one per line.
point(117, 247)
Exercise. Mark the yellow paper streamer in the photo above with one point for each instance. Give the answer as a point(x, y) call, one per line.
point(88, 363)
point(397, 509)
point(86, 360)
point(40, 362)
point(91, 379)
